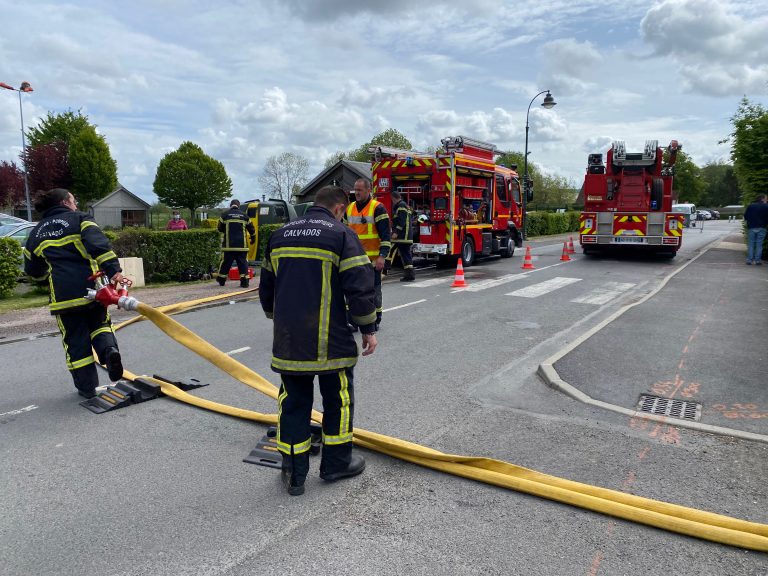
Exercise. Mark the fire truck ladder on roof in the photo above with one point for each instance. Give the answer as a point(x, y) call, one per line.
point(381, 152)
point(458, 142)
point(645, 158)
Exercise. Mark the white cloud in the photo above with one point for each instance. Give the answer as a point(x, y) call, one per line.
point(718, 52)
point(356, 94)
point(569, 66)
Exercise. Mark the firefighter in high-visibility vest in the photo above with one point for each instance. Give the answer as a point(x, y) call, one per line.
point(402, 236)
point(369, 219)
point(234, 224)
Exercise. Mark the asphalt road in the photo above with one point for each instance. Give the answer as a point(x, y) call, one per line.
point(159, 488)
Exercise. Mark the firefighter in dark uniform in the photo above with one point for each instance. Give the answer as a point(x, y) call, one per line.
point(65, 248)
point(402, 236)
point(312, 269)
point(234, 224)
point(369, 219)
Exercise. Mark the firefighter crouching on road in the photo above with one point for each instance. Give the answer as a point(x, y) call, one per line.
point(65, 248)
point(233, 224)
point(402, 236)
point(369, 219)
point(311, 266)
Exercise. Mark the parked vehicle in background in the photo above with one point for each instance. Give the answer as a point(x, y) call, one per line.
point(689, 213)
point(18, 231)
point(8, 219)
point(703, 215)
point(262, 212)
point(715, 214)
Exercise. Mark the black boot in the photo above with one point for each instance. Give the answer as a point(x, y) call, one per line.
point(221, 281)
point(409, 275)
point(86, 380)
point(114, 364)
point(294, 472)
point(244, 283)
point(356, 466)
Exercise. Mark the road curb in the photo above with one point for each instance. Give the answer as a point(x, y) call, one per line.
point(550, 376)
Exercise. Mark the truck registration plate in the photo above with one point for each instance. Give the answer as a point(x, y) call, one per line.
point(628, 240)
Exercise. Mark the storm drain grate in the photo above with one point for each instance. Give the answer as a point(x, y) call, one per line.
point(668, 407)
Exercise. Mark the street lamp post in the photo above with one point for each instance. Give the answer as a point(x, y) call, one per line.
point(549, 102)
point(25, 87)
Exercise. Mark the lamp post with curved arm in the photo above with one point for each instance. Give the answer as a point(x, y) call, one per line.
point(549, 102)
point(25, 87)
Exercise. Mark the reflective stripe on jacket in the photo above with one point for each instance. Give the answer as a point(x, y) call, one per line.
point(313, 267)
point(234, 224)
point(371, 224)
point(65, 248)
point(401, 223)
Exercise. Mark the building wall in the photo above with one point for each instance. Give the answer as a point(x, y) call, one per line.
point(109, 212)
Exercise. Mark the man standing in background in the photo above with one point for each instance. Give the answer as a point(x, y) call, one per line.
point(234, 224)
point(369, 219)
point(756, 216)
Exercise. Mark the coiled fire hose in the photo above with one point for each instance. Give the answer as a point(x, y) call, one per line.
point(680, 519)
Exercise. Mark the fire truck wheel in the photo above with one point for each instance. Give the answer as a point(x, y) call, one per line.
point(509, 250)
point(468, 252)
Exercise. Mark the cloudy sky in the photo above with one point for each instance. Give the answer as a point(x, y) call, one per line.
point(247, 79)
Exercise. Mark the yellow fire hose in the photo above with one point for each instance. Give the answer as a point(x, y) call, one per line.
point(688, 521)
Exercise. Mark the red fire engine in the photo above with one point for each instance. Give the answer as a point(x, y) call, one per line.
point(466, 205)
point(628, 201)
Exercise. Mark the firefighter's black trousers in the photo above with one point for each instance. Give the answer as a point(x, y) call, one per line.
point(404, 250)
point(229, 256)
point(83, 330)
point(294, 412)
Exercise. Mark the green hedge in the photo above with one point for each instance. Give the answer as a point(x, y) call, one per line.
point(264, 233)
point(10, 257)
point(546, 223)
point(167, 254)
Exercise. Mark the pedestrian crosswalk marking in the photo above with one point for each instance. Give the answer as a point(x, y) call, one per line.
point(536, 290)
point(605, 293)
point(492, 283)
point(428, 283)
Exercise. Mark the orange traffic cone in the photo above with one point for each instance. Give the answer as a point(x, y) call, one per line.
point(570, 245)
point(458, 281)
point(528, 261)
point(565, 257)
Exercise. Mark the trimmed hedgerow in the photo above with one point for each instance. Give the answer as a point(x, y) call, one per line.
point(10, 257)
point(167, 254)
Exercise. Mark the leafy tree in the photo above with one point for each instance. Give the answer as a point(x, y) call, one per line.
point(688, 184)
point(189, 178)
point(48, 166)
point(749, 149)
point(722, 185)
point(57, 128)
point(390, 137)
point(283, 175)
point(11, 184)
point(65, 150)
point(335, 157)
point(510, 159)
point(553, 192)
point(94, 172)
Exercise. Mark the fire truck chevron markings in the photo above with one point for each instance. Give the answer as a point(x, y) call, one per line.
point(536, 290)
point(604, 293)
